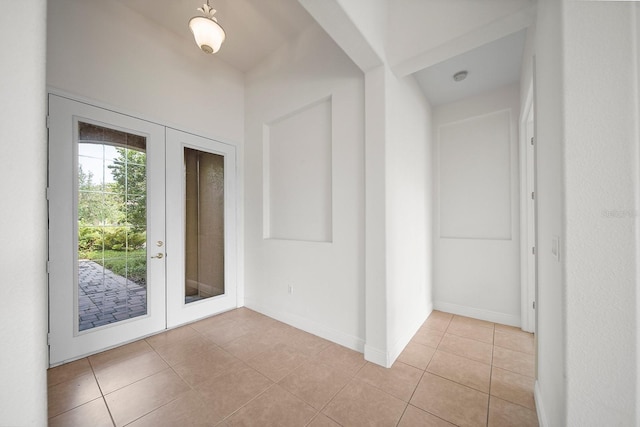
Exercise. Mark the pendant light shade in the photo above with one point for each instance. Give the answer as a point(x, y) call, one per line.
point(208, 34)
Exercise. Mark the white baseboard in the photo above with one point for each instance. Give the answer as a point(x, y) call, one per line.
point(542, 415)
point(388, 358)
point(478, 313)
point(402, 342)
point(371, 354)
point(311, 326)
point(375, 355)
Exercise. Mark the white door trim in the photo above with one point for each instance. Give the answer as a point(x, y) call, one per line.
point(527, 215)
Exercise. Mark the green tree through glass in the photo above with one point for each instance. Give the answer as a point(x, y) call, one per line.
point(130, 176)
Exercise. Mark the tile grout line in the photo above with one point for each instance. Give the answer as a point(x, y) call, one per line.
point(268, 388)
point(517, 351)
point(314, 417)
point(386, 392)
point(466, 357)
point(104, 399)
point(169, 366)
point(274, 383)
point(456, 382)
point(469, 338)
point(449, 379)
point(510, 370)
point(252, 399)
point(164, 404)
point(491, 373)
point(244, 362)
point(514, 372)
point(402, 415)
point(439, 376)
point(353, 377)
point(514, 403)
point(413, 392)
point(491, 365)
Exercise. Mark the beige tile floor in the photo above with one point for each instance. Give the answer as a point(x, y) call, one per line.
point(244, 369)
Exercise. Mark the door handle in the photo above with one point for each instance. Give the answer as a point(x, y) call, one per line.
point(159, 255)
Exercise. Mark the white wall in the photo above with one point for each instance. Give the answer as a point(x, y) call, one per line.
point(587, 130)
point(375, 216)
point(601, 197)
point(409, 206)
point(327, 277)
point(550, 329)
point(398, 173)
point(477, 220)
point(106, 52)
point(23, 217)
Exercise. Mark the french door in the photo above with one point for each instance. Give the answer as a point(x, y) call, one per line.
point(203, 227)
point(141, 228)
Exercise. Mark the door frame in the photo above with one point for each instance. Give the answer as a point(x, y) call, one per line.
point(528, 211)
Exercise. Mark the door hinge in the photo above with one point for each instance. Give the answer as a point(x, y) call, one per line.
point(48, 266)
point(49, 339)
point(534, 305)
point(48, 121)
point(48, 193)
point(531, 140)
point(533, 250)
point(533, 195)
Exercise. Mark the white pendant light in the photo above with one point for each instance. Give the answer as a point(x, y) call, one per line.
point(208, 33)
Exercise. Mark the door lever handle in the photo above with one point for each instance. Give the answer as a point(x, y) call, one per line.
point(159, 255)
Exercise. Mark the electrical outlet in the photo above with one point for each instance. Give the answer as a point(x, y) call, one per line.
point(290, 289)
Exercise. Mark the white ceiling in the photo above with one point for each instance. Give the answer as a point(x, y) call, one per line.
point(490, 66)
point(254, 28)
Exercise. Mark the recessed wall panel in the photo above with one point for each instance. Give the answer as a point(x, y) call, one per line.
point(475, 177)
point(297, 175)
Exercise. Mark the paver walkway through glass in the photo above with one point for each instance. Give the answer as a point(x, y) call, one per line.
point(105, 297)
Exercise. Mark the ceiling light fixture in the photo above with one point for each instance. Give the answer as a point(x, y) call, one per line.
point(208, 33)
point(460, 75)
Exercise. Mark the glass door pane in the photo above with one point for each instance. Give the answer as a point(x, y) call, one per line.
point(204, 224)
point(112, 216)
